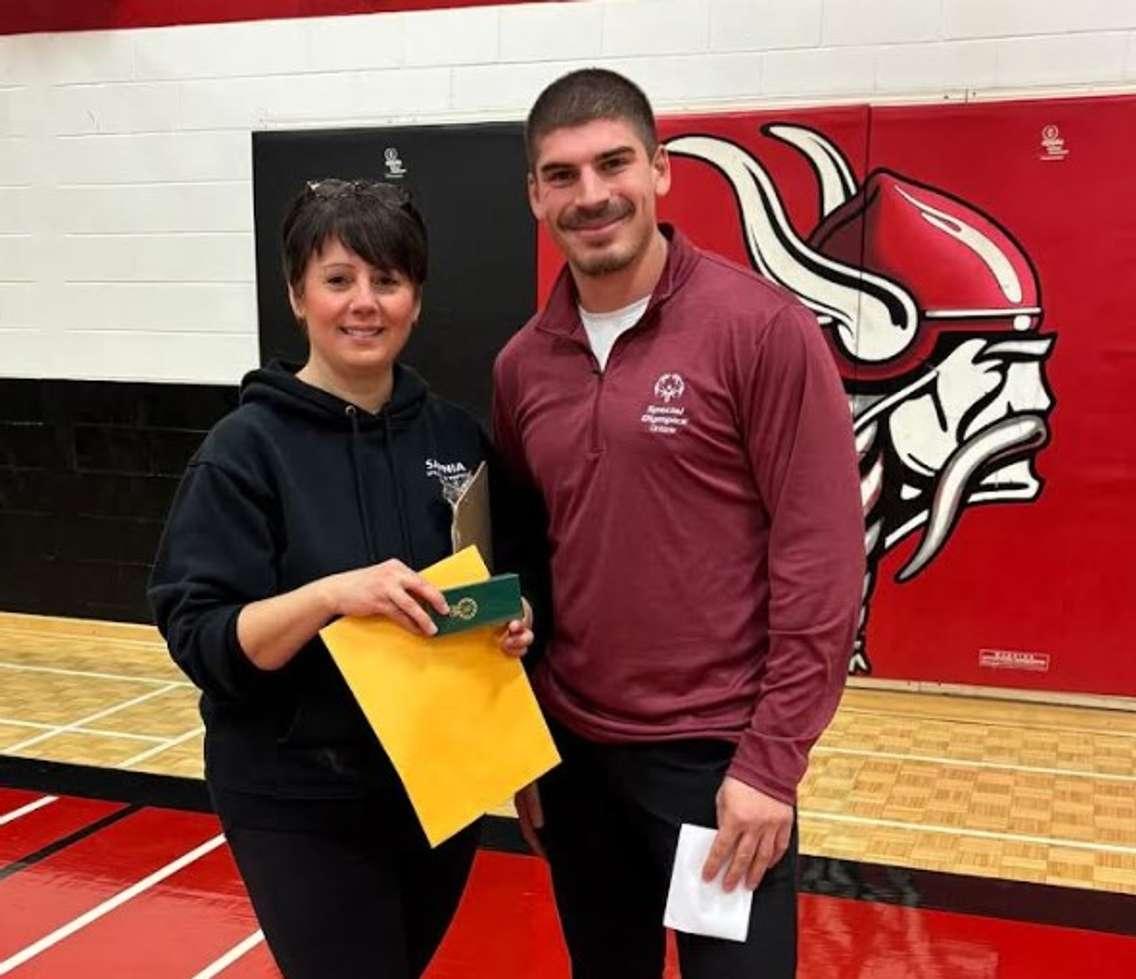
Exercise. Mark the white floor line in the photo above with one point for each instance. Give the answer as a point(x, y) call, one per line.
point(157, 643)
point(31, 951)
point(103, 733)
point(159, 748)
point(836, 817)
point(1020, 725)
point(36, 724)
point(821, 749)
point(15, 814)
point(83, 721)
point(12, 722)
point(93, 675)
point(231, 956)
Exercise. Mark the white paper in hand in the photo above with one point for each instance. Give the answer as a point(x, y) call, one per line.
point(697, 907)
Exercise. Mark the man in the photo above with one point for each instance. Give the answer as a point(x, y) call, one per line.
point(684, 427)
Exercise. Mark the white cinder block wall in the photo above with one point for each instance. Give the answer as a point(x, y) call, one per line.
point(126, 247)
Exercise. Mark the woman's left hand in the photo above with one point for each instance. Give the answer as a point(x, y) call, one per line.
point(517, 636)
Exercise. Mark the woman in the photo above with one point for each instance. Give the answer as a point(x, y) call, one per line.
point(315, 499)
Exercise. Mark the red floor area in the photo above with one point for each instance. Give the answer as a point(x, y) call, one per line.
point(506, 927)
point(861, 940)
point(57, 819)
point(190, 920)
point(54, 891)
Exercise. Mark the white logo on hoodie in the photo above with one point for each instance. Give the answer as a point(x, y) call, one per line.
point(452, 475)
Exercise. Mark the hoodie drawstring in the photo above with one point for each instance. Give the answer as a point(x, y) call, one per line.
point(360, 494)
point(399, 500)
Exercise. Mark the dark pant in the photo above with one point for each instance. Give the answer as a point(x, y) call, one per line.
point(346, 888)
point(611, 820)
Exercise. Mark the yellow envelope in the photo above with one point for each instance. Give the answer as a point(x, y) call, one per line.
point(456, 715)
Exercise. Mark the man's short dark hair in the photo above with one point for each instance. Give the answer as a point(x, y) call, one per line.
point(375, 220)
point(583, 96)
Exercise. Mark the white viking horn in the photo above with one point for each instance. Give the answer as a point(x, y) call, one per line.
point(875, 318)
point(837, 183)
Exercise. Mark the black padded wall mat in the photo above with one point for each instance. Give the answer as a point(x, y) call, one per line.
point(87, 472)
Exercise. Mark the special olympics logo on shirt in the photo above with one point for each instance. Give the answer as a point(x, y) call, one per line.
point(669, 387)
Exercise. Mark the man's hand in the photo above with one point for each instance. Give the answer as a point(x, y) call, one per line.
point(531, 816)
point(517, 636)
point(753, 834)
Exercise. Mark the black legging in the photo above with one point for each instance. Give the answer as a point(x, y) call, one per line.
point(346, 888)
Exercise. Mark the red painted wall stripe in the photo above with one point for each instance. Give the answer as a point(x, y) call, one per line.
point(67, 15)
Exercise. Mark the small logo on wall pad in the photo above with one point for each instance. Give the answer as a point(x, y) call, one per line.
point(1013, 659)
point(394, 165)
point(1052, 144)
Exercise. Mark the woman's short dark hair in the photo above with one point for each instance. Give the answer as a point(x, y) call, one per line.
point(375, 220)
point(586, 95)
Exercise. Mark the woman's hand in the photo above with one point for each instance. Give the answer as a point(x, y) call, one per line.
point(517, 636)
point(389, 589)
point(273, 630)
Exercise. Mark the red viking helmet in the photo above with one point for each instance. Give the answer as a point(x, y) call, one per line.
point(962, 270)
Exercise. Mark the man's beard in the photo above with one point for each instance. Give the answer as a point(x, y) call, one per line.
point(598, 266)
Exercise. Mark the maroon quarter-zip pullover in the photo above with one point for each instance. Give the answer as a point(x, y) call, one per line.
point(705, 524)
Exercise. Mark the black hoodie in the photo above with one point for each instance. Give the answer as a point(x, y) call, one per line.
point(294, 485)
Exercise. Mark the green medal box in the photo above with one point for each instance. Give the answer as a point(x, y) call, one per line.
point(482, 603)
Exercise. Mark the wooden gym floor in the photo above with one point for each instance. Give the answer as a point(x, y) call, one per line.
point(986, 788)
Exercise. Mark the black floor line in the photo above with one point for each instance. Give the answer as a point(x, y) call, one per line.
point(1046, 904)
point(65, 841)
